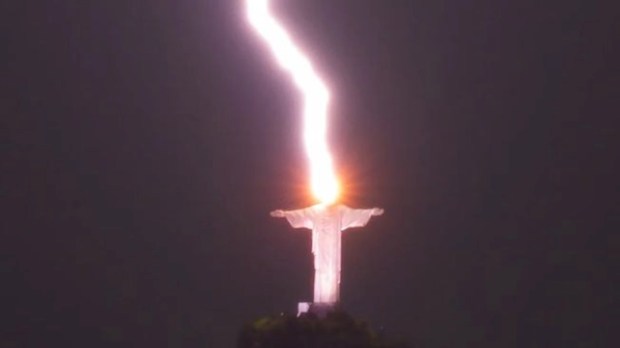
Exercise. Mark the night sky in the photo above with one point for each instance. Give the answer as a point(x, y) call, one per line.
point(148, 141)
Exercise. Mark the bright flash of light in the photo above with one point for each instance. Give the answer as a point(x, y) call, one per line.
point(323, 179)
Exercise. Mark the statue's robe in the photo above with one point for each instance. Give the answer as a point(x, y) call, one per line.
point(326, 223)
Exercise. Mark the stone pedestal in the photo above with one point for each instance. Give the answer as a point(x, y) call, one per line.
point(318, 309)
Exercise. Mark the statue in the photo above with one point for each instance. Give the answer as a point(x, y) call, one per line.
point(326, 223)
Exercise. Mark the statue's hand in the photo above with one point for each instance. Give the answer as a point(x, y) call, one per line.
point(277, 213)
point(377, 211)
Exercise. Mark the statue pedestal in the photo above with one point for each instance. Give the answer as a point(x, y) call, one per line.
point(318, 309)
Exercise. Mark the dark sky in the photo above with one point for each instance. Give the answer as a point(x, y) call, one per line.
point(147, 142)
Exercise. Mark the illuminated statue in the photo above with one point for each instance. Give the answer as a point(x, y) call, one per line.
point(326, 223)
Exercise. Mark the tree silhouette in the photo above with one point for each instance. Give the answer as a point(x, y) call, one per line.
point(336, 330)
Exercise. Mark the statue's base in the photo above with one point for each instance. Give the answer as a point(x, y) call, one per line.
point(320, 309)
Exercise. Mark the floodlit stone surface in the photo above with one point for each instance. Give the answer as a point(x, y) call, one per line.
point(327, 224)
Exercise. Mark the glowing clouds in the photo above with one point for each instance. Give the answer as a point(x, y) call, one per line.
point(323, 179)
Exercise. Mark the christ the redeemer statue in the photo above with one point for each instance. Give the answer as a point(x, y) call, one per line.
point(326, 223)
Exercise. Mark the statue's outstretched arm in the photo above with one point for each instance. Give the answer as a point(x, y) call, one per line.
point(358, 217)
point(279, 213)
point(297, 218)
point(377, 211)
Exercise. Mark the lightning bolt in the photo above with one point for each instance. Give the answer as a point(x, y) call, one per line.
point(323, 181)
